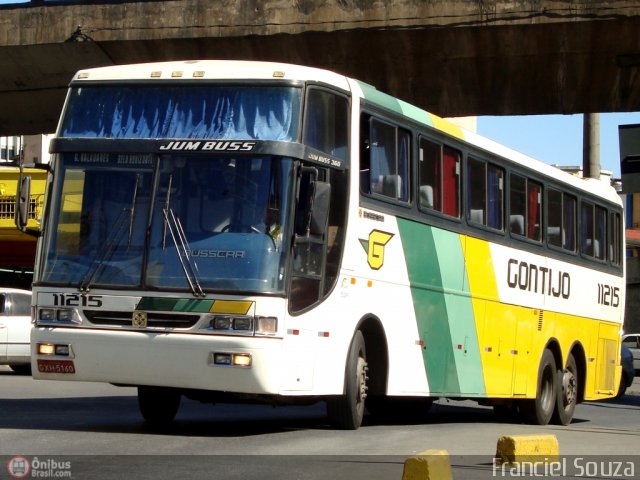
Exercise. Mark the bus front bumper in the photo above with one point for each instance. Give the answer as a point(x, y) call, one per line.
point(159, 359)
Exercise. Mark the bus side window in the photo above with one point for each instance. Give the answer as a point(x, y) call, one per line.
point(561, 220)
point(387, 149)
point(593, 227)
point(600, 234)
point(569, 212)
point(451, 182)
point(477, 191)
point(439, 170)
point(586, 229)
point(365, 155)
point(326, 122)
point(614, 238)
point(486, 199)
point(534, 211)
point(525, 213)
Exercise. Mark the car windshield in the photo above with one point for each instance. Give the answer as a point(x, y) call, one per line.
point(169, 222)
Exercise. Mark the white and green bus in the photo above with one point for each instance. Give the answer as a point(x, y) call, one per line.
point(248, 231)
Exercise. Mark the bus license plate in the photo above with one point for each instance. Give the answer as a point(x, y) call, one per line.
point(56, 366)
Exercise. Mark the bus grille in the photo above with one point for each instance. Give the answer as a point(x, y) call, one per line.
point(154, 319)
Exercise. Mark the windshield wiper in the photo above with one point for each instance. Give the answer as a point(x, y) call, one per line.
point(173, 224)
point(112, 241)
point(133, 208)
point(109, 247)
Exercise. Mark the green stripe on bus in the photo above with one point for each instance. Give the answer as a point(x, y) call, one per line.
point(387, 101)
point(462, 325)
point(443, 309)
point(174, 304)
point(430, 305)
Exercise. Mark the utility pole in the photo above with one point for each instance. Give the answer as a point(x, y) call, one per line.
point(591, 145)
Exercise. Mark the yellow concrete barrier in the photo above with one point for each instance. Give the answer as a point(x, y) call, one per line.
point(516, 449)
point(428, 465)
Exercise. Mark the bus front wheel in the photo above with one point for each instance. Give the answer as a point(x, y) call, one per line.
point(567, 393)
point(158, 405)
point(346, 411)
point(539, 410)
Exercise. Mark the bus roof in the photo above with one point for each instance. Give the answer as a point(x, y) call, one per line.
point(212, 70)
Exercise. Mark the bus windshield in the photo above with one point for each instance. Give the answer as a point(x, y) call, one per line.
point(175, 111)
point(170, 222)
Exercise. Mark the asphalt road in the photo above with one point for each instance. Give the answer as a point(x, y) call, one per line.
point(97, 432)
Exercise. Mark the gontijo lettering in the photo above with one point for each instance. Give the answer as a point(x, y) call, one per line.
point(538, 279)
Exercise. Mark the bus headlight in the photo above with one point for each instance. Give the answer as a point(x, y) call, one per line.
point(58, 316)
point(47, 314)
point(65, 315)
point(63, 350)
point(221, 323)
point(244, 324)
point(266, 325)
point(230, 359)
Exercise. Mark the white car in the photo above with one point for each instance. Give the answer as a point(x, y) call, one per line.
point(632, 342)
point(15, 329)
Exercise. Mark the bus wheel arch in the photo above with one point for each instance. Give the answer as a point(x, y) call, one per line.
point(580, 357)
point(365, 373)
point(539, 410)
point(570, 389)
point(346, 411)
point(377, 354)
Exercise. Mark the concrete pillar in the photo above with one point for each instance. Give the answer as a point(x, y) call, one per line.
point(591, 145)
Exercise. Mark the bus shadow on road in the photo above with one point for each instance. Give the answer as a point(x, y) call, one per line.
point(120, 414)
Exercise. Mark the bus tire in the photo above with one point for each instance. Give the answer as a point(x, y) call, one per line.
point(540, 410)
point(347, 411)
point(158, 405)
point(567, 393)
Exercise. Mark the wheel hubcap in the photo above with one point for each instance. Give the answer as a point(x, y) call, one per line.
point(569, 387)
point(362, 379)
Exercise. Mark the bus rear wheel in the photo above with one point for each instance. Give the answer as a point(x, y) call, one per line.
point(567, 393)
point(158, 405)
point(347, 411)
point(540, 410)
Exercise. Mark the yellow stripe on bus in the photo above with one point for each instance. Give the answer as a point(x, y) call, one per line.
point(447, 126)
point(237, 307)
point(494, 343)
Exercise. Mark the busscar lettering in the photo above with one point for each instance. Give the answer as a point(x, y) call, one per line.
point(221, 146)
point(217, 253)
point(538, 279)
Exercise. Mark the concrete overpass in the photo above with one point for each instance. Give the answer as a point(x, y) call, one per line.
point(454, 57)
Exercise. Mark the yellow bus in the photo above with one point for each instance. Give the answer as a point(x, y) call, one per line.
point(231, 230)
point(17, 252)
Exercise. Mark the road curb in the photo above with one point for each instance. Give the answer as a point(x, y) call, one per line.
point(513, 449)
point(428, 465)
